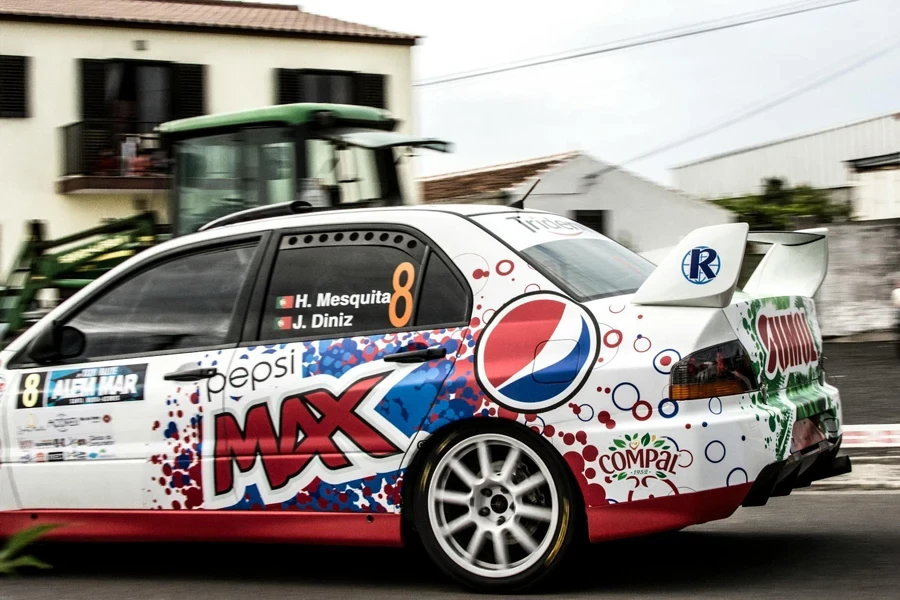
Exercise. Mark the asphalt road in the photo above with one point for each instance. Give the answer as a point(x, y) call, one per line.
point(868, 376)
point(809, 545)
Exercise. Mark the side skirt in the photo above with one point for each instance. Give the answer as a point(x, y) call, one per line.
point(351, 529)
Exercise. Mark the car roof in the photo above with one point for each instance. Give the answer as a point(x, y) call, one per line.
point(328, 217)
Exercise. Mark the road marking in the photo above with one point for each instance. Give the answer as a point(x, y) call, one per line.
point(871, 436)
point(847, 491)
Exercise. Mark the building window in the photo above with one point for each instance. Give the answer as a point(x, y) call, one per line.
point(139, 95)
point(595, 219)
point(335, 87)
point(13, 87)
point(122, 103)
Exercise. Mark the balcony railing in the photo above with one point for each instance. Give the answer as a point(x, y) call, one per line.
point(108, 155)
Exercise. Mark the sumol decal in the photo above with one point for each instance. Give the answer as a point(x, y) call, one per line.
point(788, 341)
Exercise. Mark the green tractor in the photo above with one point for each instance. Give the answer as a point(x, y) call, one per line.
point(326, 155)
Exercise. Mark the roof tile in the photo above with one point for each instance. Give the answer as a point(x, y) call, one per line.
point(214, 14)
point(488, 180)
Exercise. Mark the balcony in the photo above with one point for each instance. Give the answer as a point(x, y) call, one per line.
point(108, 156)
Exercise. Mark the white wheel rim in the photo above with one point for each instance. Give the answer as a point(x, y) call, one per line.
point(493, 506)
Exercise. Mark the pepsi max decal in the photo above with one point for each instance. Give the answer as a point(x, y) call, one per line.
point(536, 352)
point(701, 265)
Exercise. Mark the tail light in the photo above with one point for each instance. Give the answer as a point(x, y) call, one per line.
point(722, 370)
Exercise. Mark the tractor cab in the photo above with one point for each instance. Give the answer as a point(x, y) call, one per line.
point(328, 155)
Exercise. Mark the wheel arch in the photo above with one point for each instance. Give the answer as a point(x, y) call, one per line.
point(415, 474)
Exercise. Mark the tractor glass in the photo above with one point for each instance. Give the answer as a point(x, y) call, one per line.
point(348, 173)
point(218, 175)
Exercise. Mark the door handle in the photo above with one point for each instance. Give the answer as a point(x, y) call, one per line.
point(190, 375)
point(414, 356)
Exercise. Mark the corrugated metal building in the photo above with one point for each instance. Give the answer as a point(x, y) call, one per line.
point(816, 159)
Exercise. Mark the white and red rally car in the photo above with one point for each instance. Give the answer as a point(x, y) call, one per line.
point(498, 382)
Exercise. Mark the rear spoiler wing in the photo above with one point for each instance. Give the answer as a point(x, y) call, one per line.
point(794, 265)
point(703, 269)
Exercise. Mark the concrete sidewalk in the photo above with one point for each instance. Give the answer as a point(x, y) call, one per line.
point(871, 473)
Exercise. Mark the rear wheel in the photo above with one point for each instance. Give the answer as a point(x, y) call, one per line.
point(495, 508)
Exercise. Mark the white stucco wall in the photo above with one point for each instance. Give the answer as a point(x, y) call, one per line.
point(643, 215)
point(240, 75)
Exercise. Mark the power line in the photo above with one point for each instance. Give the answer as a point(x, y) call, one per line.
point(762, 107)
point(653, 38)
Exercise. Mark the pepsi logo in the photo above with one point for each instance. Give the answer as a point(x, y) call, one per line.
point(536, 352)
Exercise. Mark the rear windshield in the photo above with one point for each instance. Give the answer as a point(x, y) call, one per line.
point(591, 268)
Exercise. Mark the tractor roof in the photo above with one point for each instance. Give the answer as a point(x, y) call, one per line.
point(287, 114)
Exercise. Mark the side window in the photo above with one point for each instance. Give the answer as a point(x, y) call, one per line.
point(443, 299)
point(347, 283)
point(183, 303)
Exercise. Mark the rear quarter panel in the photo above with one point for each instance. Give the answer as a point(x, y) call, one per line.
point(785, 344)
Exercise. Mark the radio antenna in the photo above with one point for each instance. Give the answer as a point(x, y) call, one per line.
point(520, 203)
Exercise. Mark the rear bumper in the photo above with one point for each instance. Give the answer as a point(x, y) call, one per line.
point(798, 470)
point(666, 513)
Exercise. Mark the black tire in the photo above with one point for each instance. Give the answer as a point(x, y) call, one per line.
point(551, 503)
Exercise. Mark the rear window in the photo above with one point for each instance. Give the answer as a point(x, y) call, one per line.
point(581, 261)
point(591, 268)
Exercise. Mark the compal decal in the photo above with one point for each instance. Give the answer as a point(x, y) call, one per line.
point(788, 342)
point(327, 429)
point(2, 386)
point(643, 460)
point(536, 352)
point(701, 265)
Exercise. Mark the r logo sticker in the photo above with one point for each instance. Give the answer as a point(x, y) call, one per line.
point(701, 265)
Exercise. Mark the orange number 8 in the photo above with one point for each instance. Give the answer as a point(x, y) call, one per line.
point(402, 291)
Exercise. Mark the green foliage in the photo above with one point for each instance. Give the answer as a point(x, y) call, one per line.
point(778, 206)
point(9, 556)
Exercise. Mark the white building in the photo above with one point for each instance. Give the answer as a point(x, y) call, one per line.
point(634, 211)
point(816, 159)
point(876, 181)
point(80, 77)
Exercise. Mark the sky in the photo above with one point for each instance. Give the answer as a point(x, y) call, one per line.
point(618, 106)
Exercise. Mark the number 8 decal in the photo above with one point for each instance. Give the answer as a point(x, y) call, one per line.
point(402, 291)
point(31, 394)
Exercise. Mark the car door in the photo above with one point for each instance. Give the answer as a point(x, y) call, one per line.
point(354, 333)
point(118, 425)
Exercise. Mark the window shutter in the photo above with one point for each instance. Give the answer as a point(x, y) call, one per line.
point(13, 87)
point(371, 90)
point(93, 89)
point(289, 88)
point(188, 90)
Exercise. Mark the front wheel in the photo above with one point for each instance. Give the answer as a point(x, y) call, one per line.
point(494, 509)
